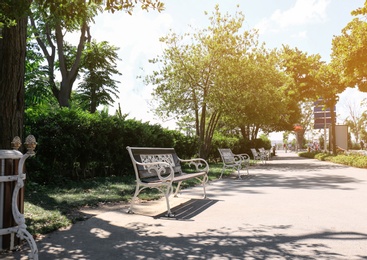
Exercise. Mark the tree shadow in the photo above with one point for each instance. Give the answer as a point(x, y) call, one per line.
point(299, 181)
point(98, 239)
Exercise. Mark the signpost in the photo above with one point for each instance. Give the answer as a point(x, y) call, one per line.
point(322, 117)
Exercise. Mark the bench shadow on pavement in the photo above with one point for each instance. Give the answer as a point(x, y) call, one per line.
point(188, 209)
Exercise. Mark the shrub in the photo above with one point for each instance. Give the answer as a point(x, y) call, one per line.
point(75, 144)
point(354, 160)
point(308, 154)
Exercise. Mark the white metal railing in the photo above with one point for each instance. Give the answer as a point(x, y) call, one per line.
point(20, 228)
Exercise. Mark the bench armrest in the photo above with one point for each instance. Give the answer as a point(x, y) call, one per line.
point(199, 163)
point(160, 168)
point(243, 156)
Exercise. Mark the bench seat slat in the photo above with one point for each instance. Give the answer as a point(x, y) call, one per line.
point(187, 176)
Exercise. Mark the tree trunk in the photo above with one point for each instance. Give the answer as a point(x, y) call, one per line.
point(12, 69)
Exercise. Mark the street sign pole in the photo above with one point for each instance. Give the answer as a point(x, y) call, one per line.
point(325, 131)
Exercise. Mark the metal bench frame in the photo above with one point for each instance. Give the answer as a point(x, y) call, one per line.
point(236, 161)
point(160, 168)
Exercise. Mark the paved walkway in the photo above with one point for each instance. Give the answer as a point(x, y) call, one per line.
point(291, 208)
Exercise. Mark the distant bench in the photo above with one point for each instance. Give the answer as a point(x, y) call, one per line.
point(161, 167)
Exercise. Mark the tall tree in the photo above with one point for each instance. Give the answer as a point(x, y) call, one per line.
point(260, 94)
point(37, 89)
point(12, 66)
point(189, 75)
point(50, 24)
point(12, 56)
point(99, 65)
point(304, 71)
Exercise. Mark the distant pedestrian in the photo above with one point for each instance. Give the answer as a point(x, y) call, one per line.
point(362, 145)
point(285, 147)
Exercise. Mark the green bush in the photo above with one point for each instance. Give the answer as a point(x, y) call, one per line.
point(75, 144)
point(309, 154)
point(322, 156)
point(354, 160)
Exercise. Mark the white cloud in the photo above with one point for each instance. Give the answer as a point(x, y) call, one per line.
point(302, 13)
point(137, 36)
point(300, 35)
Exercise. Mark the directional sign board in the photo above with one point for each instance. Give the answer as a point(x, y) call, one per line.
point(322, 115)
point(326, 114)
point(326, 121)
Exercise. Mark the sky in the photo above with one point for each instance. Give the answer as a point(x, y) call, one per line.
point(308, 25)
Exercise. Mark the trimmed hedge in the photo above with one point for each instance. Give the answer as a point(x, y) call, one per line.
point(353, 159)
point(75, 144)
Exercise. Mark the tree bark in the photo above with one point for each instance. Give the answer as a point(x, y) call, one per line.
point(12, 70)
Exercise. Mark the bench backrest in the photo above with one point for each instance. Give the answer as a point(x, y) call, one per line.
point(148, 155)
point(254, 152)
point(227, 155)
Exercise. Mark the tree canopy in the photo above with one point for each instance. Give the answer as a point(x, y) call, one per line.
point(349, 51)
point(223, 73)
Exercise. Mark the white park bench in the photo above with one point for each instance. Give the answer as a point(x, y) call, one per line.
point(258, 157)
point(236, 161)
point(266, 154)
point(160, 168)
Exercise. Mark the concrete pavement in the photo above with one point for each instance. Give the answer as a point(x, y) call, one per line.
point(290, 208)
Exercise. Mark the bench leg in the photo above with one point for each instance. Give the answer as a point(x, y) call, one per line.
point(166, 195)
point(177, 189)
point(221, 174)
point(238, 170)
point(137, 191)
point(205, 180)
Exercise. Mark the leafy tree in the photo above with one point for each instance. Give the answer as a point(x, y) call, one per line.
point(98, 64)
point(50, 24)
point(37, 90)
point(189, 76)
point(13, 28)
point(259, 97)
point(330, 86)
point(349, 50)
point(304, 71)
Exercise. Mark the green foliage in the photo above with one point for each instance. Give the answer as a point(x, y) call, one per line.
point(200, 76)
point(223, 141)
point(352, 159)
point(311, 155)
point(99, 65)
point(74, 144)
point(349, 50)
point(236, 144)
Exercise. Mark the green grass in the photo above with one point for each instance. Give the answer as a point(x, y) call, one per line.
point(50, 207)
